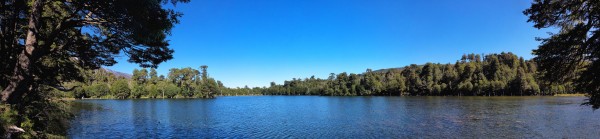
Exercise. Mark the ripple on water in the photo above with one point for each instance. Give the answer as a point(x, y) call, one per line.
point(338, 117)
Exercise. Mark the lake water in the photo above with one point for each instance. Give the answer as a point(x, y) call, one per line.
point(337, 117)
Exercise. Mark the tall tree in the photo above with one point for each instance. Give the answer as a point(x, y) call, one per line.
point(120, 89)
point(56, 41)
point(574, 52)
point(204, 68)
point(153, 76)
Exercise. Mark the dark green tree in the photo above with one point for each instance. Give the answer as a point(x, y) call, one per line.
point(573, 53)
point(99, 89)
point(472, 75)
point(120, 89)
point(42, 46)
point(53, 47)
point(153, 76)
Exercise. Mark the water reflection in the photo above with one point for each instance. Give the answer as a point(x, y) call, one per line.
point(337, 117)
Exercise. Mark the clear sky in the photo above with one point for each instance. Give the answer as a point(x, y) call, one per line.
point(254, 42)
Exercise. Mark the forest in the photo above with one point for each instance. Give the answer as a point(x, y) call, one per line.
point(144, 83)
point(503, 74)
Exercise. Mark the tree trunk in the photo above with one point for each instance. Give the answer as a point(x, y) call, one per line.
point(21, 81)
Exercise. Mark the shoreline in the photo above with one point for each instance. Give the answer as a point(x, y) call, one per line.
point(556, 95)
point(570, 95)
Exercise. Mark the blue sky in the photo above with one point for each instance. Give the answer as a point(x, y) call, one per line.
point(254, 42)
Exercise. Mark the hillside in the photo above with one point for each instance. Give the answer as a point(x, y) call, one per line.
point(118, 74)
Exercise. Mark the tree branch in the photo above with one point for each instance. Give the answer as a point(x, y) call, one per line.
point(62, 88)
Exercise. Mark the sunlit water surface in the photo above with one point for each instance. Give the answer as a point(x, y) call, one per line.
point(337, 117)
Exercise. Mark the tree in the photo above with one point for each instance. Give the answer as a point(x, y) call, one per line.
point(496, 74)
point(137, 90)
point(80, 92)
point(212, 87)
point(372, 83)
point(99, 89)
point(152, 91)
point(574, 52)
point(140, 76)
point(120, 89)
point(45, 44)
point(204, 72)
point(153, 76)
point(168, 90)
point(53, 47)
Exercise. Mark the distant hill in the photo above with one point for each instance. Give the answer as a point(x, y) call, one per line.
point(118, 74)
point(386, 70)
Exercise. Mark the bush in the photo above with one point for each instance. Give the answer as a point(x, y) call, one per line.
point(80, 92)
point(42, 118)
point(153, 91)
point(7, 117)
point(120, 89)
point(99, 90)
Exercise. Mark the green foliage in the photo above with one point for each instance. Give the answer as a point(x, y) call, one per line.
point(472, 75)
point(8, 117)
point(152, 91)
point(181, 83)
point(27, 124)
point(168, 90)
point(153, 76)
point(98, 89)
point(137, 90)
point(80, 92)
point(120, 89)
point(39, 118)
point(140, 76)
point(573, 54)
point(211, 86)
point(43, 47)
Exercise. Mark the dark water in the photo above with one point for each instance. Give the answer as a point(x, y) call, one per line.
point(338, 117)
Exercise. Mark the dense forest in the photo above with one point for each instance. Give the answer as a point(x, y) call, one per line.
point(503, 74)
point(144, 83)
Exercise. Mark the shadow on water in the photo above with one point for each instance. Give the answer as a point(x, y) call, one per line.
point(77, 106)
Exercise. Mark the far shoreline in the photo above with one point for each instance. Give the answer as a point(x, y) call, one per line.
point(555, 95)
point(570, 95)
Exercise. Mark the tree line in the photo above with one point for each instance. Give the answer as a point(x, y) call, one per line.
point(503, 74)
point(144, 83)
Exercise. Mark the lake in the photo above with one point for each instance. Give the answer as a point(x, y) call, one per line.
point(337, 117)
